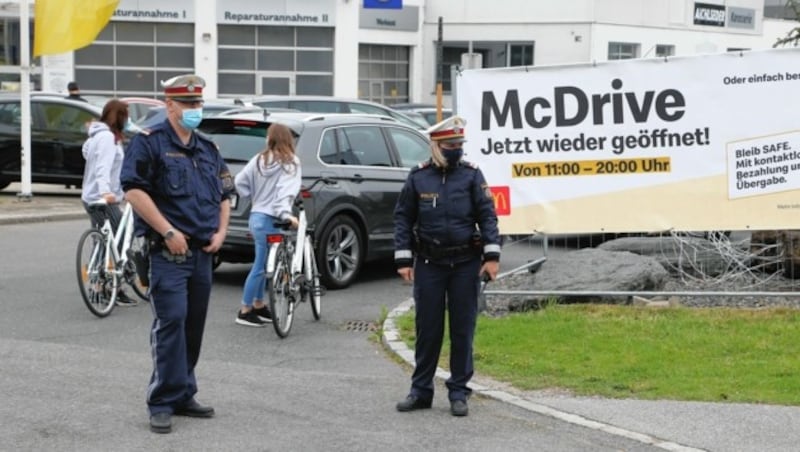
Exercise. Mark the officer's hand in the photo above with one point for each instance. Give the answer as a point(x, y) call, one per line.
point(490, 268)
point(407, 273)
point(295, 222)
point(177, 244)
point(109, 198)
point(216, 243)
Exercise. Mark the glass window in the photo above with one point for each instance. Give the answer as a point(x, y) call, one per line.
point(276, 60)
point(327, 148)
point(242, 84)
point(95, 79)
point(10, 115)
point(276, 36)
point(520, 55)
point(318, 106)
point(175, 33)
point(314, 37)
point(367, 146)
point(240, 59)
point(138, 56)
point(622, 50)
point(314, 84)
point(65, 117)
point(136, 80)
point(317, 61)
point(95, 55)
point(411, 148)
point(275, 85)
point(663, 50)
point(236, 35)
point(366, 109)
point(157, 51)
point(134, 31)
point(107, 33)
point(174, 56)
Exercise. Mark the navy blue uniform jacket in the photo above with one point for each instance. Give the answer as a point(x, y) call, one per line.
point(186, 182)
point(442, 207)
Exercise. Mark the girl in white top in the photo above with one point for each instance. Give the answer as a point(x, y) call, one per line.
point(103, 154)
point(271, 180)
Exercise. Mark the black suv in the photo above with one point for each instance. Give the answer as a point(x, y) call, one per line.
point(58, 130)
point(367, 156)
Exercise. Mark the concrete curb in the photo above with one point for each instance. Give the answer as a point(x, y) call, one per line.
point(391, 338)
point(12, 218)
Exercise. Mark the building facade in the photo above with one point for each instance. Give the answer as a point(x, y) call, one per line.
point(348, 48)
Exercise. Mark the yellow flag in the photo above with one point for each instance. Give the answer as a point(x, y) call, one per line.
point(61, 26)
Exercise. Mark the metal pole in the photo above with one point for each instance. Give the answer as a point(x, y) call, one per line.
point(25, 99)
point(439, 73)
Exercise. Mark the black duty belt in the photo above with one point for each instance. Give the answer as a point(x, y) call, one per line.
point(156, 242)
point(431, 251)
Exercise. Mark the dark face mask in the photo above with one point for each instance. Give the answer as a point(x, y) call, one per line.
point(452, 156)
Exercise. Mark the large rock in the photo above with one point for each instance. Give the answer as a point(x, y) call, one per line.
point(589, 269)
point(693, 255)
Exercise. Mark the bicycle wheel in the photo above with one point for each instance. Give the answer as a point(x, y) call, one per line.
point(281, 299)
point(314, 288)
point(98, 287)
point(131, 273)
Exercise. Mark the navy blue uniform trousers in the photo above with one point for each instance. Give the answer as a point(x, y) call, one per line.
point(454, 288)
point(179, 294)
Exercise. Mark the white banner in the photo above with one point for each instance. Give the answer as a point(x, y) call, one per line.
point(696, 143)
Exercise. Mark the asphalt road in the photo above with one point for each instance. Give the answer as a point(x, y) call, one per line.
point(70, 381)
point(75, 382)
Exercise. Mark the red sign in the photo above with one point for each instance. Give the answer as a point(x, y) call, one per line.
point(502, 200)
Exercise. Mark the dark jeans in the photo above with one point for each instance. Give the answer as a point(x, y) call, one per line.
point(98, 213)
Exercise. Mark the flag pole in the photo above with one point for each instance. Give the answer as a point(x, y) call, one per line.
point(25, 100)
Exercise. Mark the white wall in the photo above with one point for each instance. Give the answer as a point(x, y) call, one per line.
point(205, 51)
point(509, 11)
point(345, 53)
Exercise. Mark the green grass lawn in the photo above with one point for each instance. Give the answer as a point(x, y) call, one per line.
point(717, 354)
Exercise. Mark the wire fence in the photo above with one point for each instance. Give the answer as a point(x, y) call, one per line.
point(740, 268)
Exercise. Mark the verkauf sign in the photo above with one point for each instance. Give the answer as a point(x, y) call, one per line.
point(708, 14)
point(383, 4)
point(687, 143)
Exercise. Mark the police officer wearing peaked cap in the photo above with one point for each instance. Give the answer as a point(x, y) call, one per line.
point(446, 237)
point(178, 184)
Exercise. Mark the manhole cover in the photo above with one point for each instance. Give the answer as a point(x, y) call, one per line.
point(360, 326)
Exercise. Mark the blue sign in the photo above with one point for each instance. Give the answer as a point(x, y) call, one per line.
point(383, 4)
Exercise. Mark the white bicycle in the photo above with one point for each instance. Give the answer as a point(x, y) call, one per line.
point(105, 260)
point(291, 270)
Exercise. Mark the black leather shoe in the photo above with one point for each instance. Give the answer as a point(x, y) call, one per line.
point(161, 422)
point(459, 408)
point(413, 402)
point(194, 409)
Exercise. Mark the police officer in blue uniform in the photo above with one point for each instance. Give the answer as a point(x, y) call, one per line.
point(179, 185)
point(446, 238)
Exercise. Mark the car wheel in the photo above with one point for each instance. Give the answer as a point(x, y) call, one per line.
point(340, 253)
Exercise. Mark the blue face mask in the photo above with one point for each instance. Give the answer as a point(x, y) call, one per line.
point(452, 156)
point(191, 118)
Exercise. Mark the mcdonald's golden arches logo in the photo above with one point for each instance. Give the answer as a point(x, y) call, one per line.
point(502, 200)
